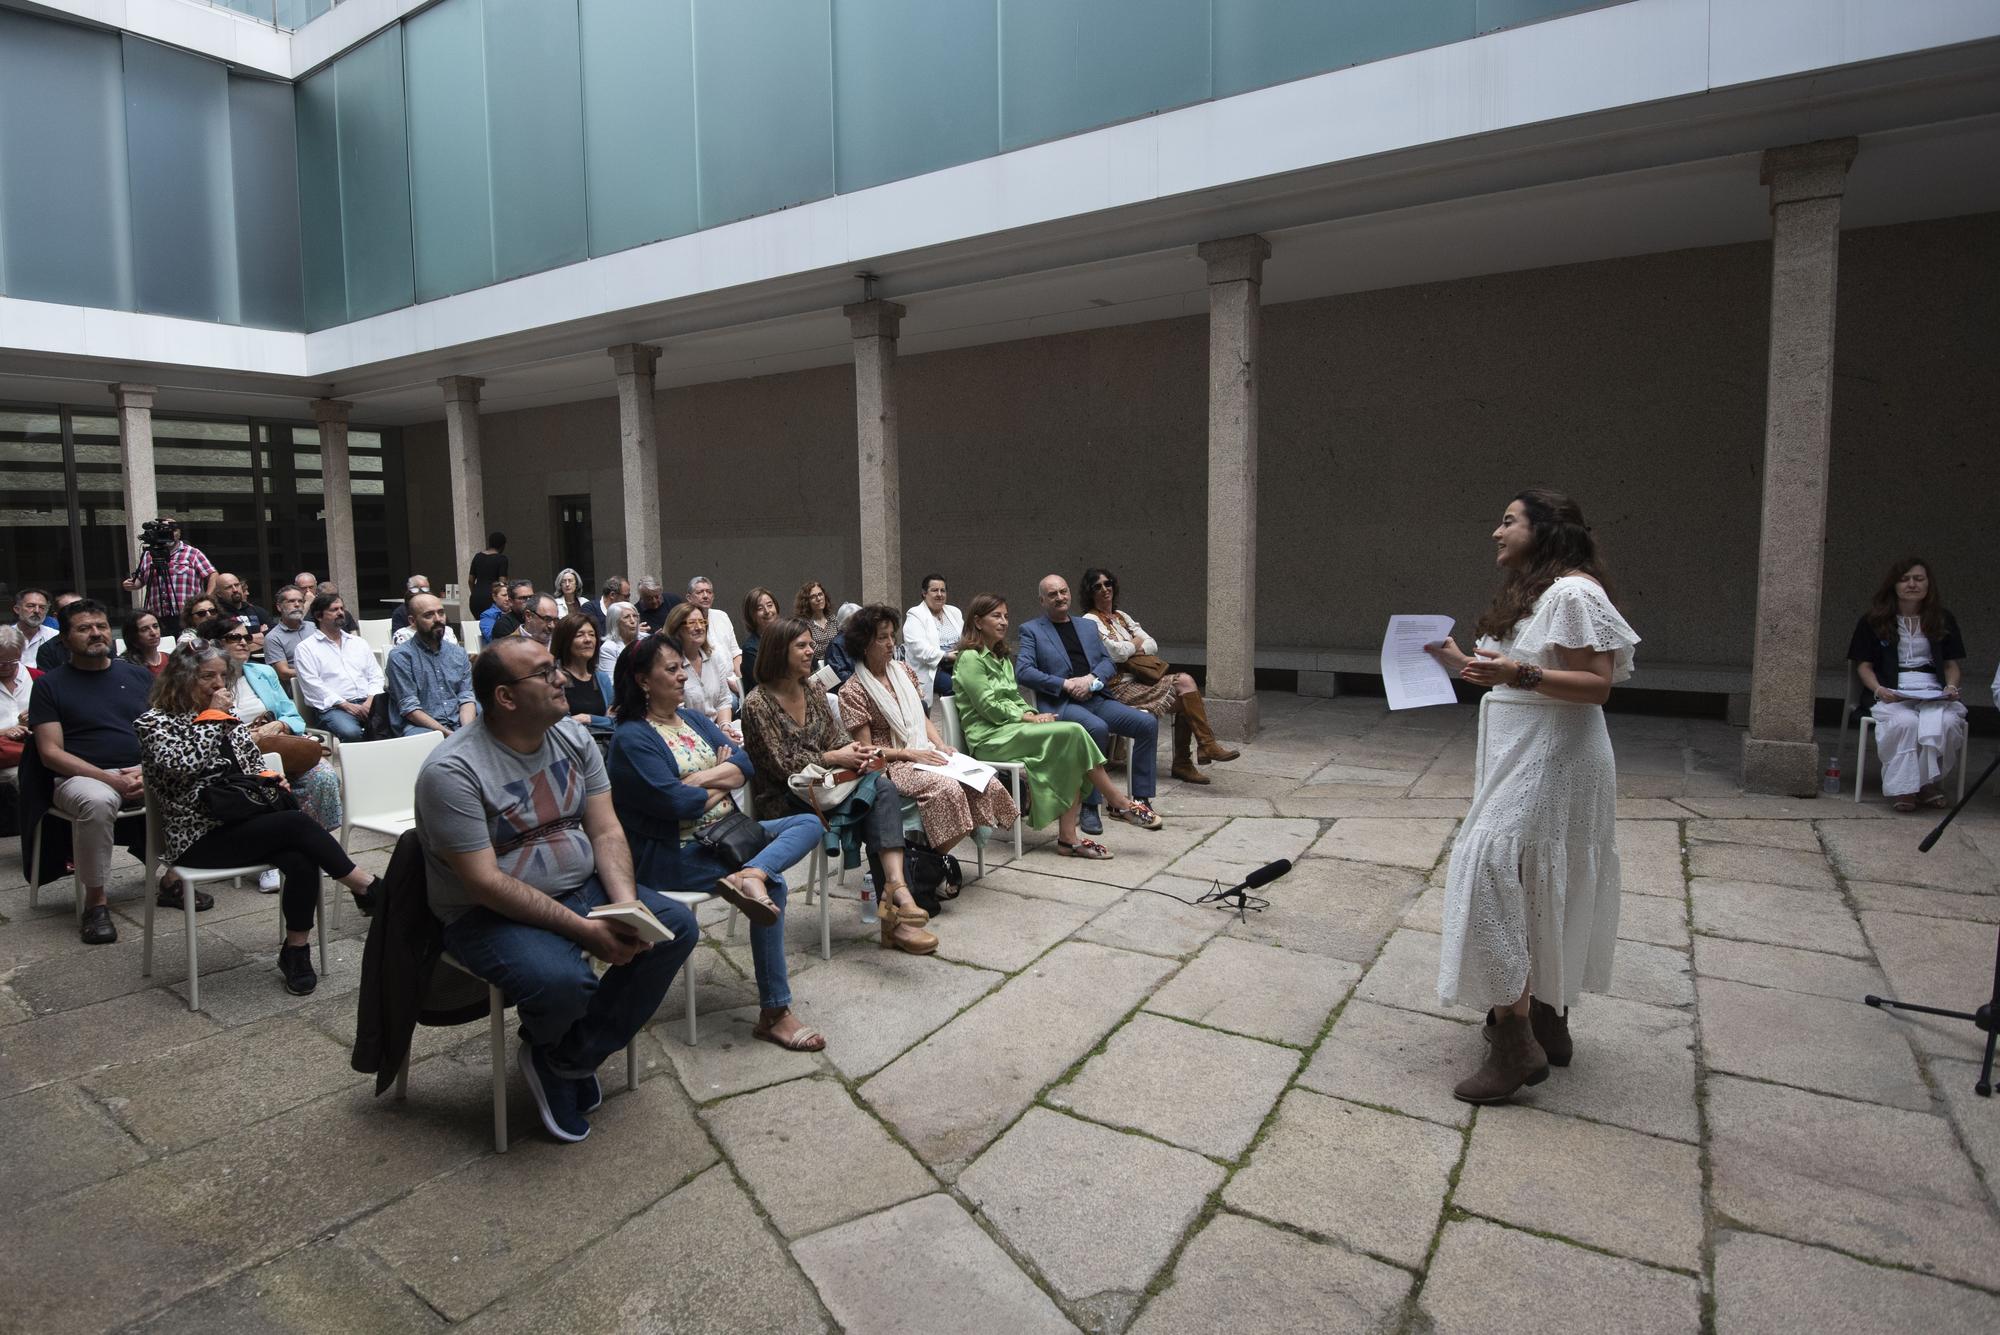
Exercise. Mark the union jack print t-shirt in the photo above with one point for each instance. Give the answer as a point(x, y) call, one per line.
point(474, 792)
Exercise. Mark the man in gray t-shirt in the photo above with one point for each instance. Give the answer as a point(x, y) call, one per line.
point(281, 639)
point(520, 843)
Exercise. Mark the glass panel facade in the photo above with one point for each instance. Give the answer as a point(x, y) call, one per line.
point(918, 88)
point(322, 246)
point(65, 224)
point(1066, 67)
point(534, 117)
point(264, 151)
point(451, 196)
point(1263, 42)
point(183, 189)
point(1497, 14)
point(638, 120)
point(763, 105)
point(374, 176)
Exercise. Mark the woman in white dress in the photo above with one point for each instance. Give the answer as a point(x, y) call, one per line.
point(1908, 653)
point(1531, 900)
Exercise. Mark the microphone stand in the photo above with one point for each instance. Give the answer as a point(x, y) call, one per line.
point(1238, 895)
point(1987, 1017)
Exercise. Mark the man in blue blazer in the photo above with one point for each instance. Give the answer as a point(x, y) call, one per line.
point(1062, 660)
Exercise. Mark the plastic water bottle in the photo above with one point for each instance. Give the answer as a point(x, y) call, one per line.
point(868, 914)
point(1830, 782)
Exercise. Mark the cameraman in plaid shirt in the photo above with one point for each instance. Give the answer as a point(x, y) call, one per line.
point(185, 572)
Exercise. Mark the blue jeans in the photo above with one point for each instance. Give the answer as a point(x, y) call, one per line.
point(792, 837)
point(343, 724)
point(941, 684)
point(573, 1017)
point(1101, 717)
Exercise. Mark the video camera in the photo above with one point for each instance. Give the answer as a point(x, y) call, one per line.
point(158, 536)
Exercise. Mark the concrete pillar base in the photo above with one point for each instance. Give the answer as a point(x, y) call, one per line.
point(1738, 709)
point(1325, 685)
point(1790, 769)
point(1233, 719)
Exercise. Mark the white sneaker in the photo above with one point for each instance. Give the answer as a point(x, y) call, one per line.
point(267, 881)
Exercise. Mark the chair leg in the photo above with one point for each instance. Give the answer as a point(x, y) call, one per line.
point(497, 1004)
point(35, 866)
point(403, 1079)
point(1020, 810)
point(150, 890)
point(825, 904)
point(730, 931)
point(1861, 762)
point(194, 962)
point(632, 1065)
point(319, 920)
point(687, 975)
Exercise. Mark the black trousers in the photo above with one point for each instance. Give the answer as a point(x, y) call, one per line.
point(292, 842)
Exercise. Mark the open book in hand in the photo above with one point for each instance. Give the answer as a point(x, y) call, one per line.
point(637, 918)
point(965, 769)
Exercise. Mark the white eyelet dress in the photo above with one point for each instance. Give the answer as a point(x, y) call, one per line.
point(1531, 895)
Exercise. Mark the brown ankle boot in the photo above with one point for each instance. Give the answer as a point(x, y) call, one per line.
point(1195, 710)
point(1184, 767)
point(1513, 1059)
point(1551, 1028)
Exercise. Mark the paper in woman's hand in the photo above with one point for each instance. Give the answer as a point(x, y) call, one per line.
point(1410, 675)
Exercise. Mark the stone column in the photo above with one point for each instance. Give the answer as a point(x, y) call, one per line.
point(639, 457)
point(1806, 183)
point(337, 493)
point(1235, 280)
point(468, 498)
point(135, 459)
point(874, 325)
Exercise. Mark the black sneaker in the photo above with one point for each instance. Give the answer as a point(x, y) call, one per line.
point(555, 1097)
point(589, 1094)
point(296, 963)
point(98, 929)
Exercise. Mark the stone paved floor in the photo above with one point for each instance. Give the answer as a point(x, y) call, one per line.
point(1097, 1108)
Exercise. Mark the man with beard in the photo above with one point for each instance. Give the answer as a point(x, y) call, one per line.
point(429, 678)
point(283, 638)
point(233, 598)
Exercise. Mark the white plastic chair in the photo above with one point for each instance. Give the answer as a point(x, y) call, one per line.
point(192, 878)
point(378, 787)
point(496, 1009)
point(35, 881)
point(954, 736)
point(1851, 705)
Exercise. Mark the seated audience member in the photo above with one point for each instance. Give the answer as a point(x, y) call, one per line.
point(82, 715)
point(585, 685)
point(788, 725)
point(615, 590)
point(811, 605)
point(1908, 654)
point(282, 640)
point(760, 609)
point(202, 607)
point(187, 734)
point(707, 692)
point(488, 569)
point(337, 671)
point(721, 630)
point(538, 618)
point(308, 585)
point(400, 618)
point(428, 678)
point(32, 619)
point(141, 633)
point(672, 774)
point(259, 701)
point(347, 621)
point(569, 592)
point(54, 653)
point(1168, 694)
point(622, 631)
point(515, 913)
point(497, 606)
point(520, 592)
point(232, 598)
point(1062, 758)
point(16, 685)
point(884, 709)
point(654, 603)
point(1062, 660)
point(931, 632)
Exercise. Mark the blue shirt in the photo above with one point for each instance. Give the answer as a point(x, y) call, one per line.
point(437, 683)
point(486, 620)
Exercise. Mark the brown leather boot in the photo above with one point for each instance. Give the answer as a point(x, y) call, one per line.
point(1551, 1028)
point(1184, 767)
point(1195, 710)
point(1513, 1059)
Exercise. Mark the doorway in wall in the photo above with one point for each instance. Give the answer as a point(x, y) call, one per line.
point(569, 520)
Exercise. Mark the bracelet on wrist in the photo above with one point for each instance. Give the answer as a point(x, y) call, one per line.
point(1527, 676)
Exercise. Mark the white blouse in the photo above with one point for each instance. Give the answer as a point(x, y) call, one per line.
point(1123, 636)
point(708, 687)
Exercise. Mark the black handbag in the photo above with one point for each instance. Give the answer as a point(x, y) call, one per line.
point(735, 839)
point(229, 796)
point(932, 875)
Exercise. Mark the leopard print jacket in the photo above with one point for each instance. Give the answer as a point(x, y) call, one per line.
point(175, 752)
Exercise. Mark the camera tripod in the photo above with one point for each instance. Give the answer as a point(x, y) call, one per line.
point(1987, 1017)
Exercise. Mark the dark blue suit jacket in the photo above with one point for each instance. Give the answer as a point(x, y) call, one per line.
point(1041, 664)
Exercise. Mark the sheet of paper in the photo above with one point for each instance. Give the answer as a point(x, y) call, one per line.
point(1412, 677)
point(965, 769)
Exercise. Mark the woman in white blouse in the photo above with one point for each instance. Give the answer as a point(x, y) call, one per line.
point(707, 691)
point(569, 592)
point(1909, 655)
point(1149, 684)
point(621, 632)
point(931, 632)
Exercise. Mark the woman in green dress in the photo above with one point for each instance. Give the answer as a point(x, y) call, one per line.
point(1062, 761)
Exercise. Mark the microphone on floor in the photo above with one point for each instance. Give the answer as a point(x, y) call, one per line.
point(1256, 880)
